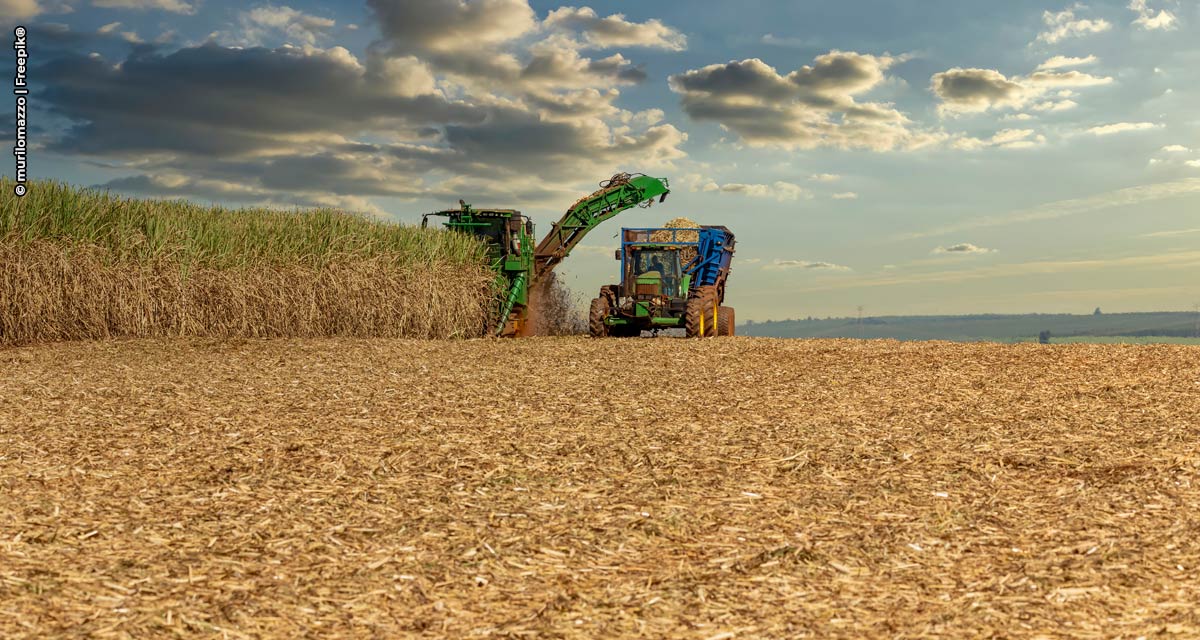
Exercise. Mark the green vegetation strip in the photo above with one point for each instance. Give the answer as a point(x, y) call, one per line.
point(147, 230)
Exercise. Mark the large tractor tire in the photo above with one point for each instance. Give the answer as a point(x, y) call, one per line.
point(700, 305)
point(596, 315)
point(725, 321)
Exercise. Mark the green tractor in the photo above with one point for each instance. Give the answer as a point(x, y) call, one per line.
point(670, 279)
point(520, 265)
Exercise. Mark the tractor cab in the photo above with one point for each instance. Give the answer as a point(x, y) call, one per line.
point(654, 272)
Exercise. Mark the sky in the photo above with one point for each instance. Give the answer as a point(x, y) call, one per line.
point(932, 157)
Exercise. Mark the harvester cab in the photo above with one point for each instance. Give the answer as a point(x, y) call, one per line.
point(509, 237)
point(520, 263)
point(671, 278)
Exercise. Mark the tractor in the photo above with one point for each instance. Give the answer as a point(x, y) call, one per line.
point(671, 278)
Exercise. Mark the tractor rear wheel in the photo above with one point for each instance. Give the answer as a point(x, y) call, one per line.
point(596, 316)
point(725, 321)
point(700, 310)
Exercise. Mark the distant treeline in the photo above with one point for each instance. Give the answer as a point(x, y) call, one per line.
point(995, 327)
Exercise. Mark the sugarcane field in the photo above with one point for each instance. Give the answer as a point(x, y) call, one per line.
point(682, 320)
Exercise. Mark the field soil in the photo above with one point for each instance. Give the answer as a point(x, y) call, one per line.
point(567, 487)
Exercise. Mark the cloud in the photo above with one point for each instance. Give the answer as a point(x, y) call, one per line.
point(448, 26)
point(962, 249)
point(1149, 20)
point(20, 8)
point(825, 177)
point(779, 190)
point(296, 26)
point(814, 106)
point(845, 195)
point(173, 185)
point(1064, 24)
point(1122, 127)
point(1195, 164)
point(1169, 260)
point(595, 250)
point(978, 90)
point(1004, 139)
point(615, 30)
point(1061, 62)
point(420, 116)
point(1175, 148)
point(1170, 234)
point(1128, 196)
point(783, 265)
point(173, 6)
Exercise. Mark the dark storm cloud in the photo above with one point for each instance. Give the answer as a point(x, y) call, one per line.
point(320, 126)
point(976, 88)
point(211, 99)
point(813, 106)
point(451, 25)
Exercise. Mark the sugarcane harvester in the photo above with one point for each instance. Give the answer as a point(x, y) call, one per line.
point(520, 265)
point(670, 279)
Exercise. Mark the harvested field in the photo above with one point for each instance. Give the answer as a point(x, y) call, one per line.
point(569, 487)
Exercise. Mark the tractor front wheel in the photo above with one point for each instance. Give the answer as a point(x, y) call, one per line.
point(596, 316)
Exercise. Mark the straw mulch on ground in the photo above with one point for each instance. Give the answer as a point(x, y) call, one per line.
point(570, 487)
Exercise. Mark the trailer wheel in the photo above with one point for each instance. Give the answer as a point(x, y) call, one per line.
point(725, 321)
point(596, 315)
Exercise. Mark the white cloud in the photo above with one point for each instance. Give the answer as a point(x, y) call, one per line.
point(1195, 164)
point(1122, 127)
point(779, 190)
point(1065, 24)
point(845, 195)
point(1175, 148)
point(615, 30)
point(595, 250)
point(173, 6)
point(20, 8)
point(1148, 19)
point(783, 265)
point(1170, 234)
point(298, 27)
point(108, 28)
point(1004, 139)
point(1060, 62)
point(825, 177)
point(978, 90)
point(962, 249)
point(1053, 106)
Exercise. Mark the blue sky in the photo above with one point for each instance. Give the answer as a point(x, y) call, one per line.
point(909, 157)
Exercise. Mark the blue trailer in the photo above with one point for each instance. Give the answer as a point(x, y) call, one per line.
point(670, 279)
